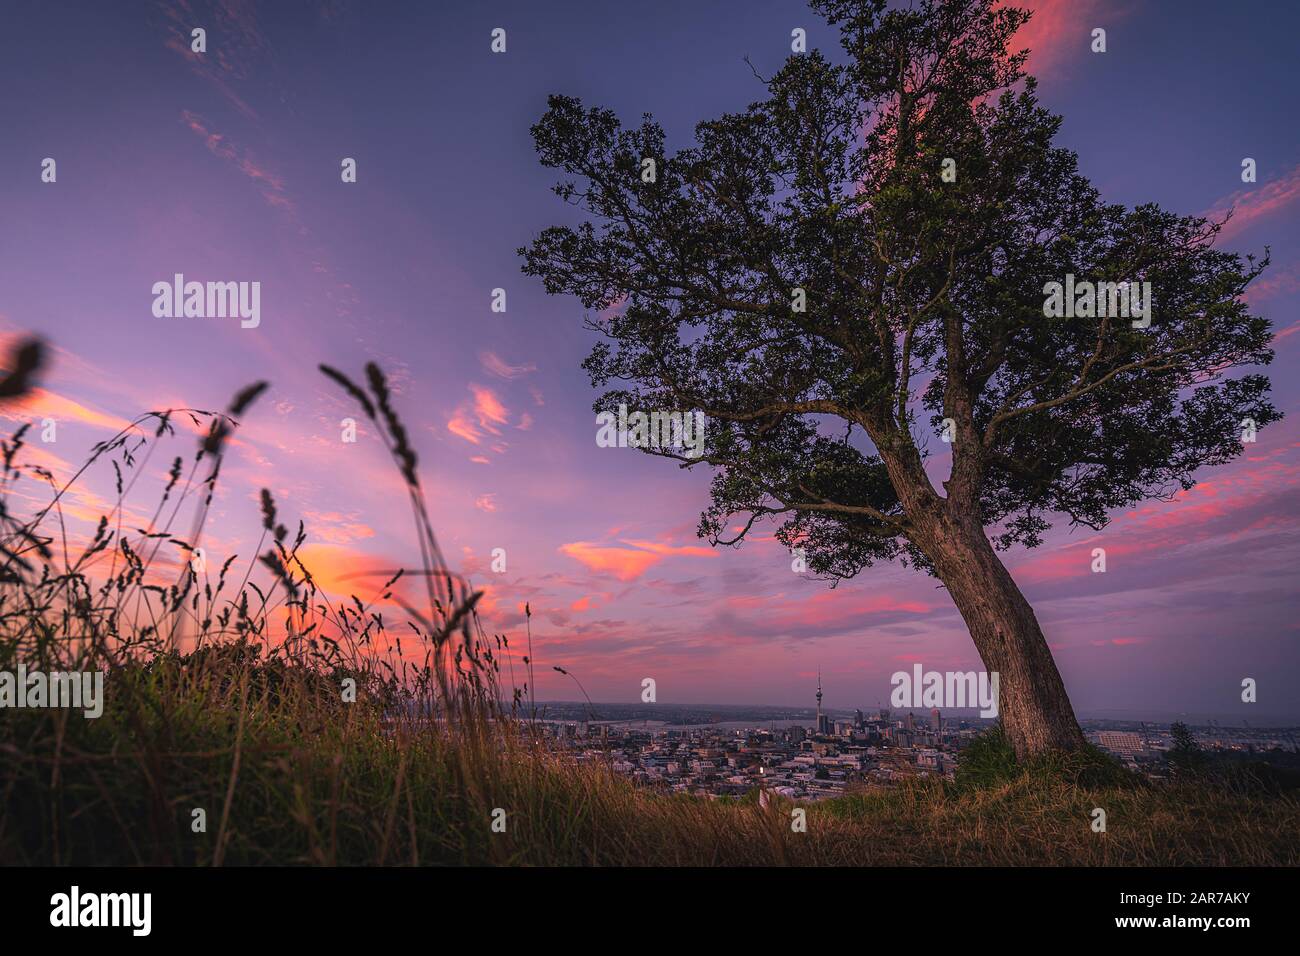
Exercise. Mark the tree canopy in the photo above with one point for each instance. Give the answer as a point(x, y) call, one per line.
point(924, 297)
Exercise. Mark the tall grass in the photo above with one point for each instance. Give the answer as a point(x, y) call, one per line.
point(226, 696)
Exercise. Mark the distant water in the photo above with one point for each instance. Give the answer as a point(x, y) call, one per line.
point(720, 725)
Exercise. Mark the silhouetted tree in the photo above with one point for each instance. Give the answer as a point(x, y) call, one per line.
point(1186, 757)
point(923, 298)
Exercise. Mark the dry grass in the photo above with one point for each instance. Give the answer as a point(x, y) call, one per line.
point(249, 725)
point(308, 782)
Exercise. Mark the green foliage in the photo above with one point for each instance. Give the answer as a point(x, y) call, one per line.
point(1186, 759)
point(1238, 773)
point(987, 761)
point(991, 761)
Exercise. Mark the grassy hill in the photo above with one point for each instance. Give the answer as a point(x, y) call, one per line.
point(286, 773)
point(253, 749)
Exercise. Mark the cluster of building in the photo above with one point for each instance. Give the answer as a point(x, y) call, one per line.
point(800, 762)
point(836, 754)
point(1145, 748)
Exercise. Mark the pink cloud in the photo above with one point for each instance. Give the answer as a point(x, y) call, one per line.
point(1256, 202)
point(667, 549)
point(832, 608)
point(39, 404)
point(489, 408)
point(629, 563)
point(1058, 32)
point(1287, 332)
point(497, 366)
point(1194, 516)
point(1274, 283)
point(460, 425)
point(625, 564)
point(485, 414)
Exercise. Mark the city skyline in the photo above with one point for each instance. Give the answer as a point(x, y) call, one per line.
point(1251, 719)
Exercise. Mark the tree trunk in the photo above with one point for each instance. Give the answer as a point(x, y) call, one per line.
point(1033, 705)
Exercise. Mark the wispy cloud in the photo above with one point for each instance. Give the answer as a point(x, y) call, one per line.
point(666, 550)
point(337, 528)
point(1249, 205)
point(269, 184)
point(485, 414)
point(1274, 283)
point(242, 44)
point(499, 367)
point(40, 404)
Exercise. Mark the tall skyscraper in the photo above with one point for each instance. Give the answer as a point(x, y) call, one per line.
point(823, 722)
point(935, 719)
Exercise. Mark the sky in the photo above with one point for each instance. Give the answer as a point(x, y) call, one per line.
point(225, 166)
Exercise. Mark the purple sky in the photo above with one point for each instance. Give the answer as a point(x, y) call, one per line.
point(225, 166)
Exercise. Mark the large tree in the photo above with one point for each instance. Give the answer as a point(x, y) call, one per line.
point(923, 284)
